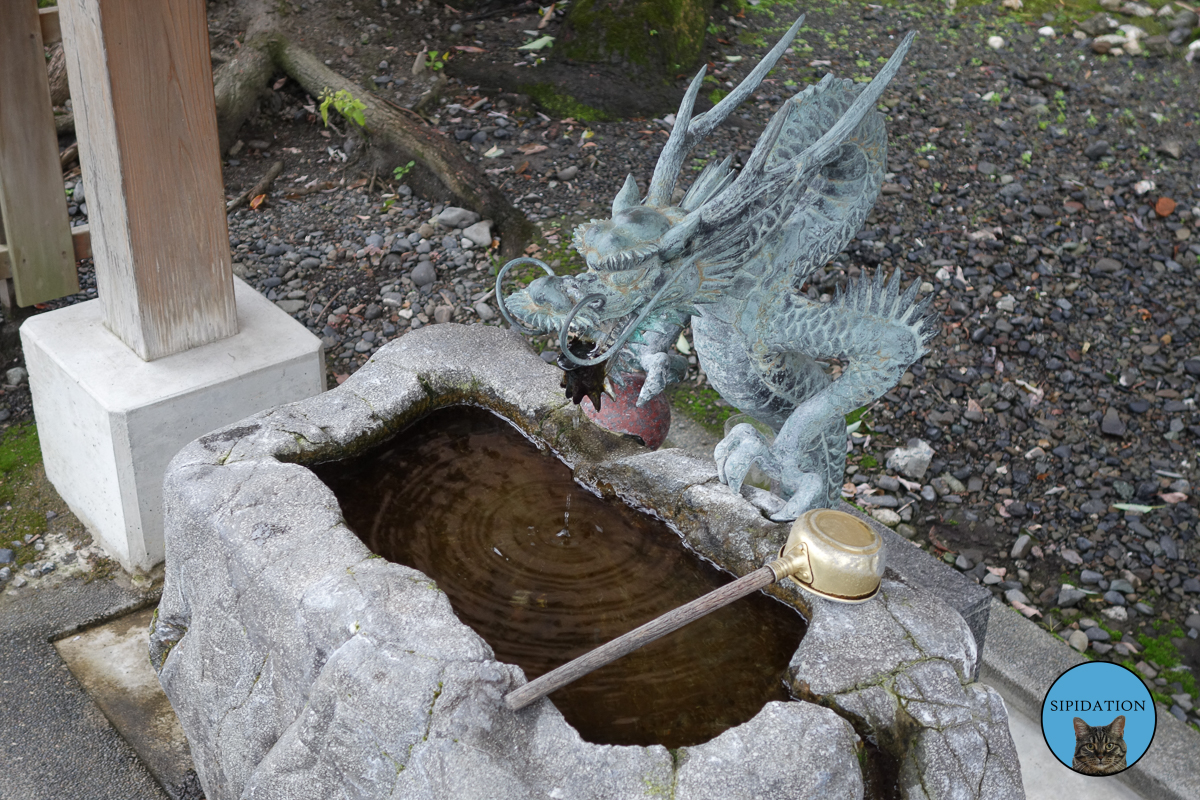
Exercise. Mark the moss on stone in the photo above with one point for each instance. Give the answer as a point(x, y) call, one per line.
point(563, 105)
point(660, 36)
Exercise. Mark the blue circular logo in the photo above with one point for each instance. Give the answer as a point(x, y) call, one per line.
point(1098, 718)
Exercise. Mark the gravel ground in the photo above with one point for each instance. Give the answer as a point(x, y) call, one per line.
point(1045, 195)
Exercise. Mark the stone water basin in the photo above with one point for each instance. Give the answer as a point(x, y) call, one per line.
point(544, 570)
point(301, 664)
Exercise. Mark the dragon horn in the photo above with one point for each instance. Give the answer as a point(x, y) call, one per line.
point(627, 197)
point(670, 161)
point(754, 179)
point(827, 146)
point(688, 130)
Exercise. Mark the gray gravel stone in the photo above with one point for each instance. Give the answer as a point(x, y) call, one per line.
point(1112, 424)
point(454, 217)
point(1096, 150)
point(424, 274)
point(1016, 596)
point(7, 556)
point(1021, 547)
point(480, 233)
point(1069, 596)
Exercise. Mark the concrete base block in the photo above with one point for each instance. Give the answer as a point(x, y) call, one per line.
point(110, 422)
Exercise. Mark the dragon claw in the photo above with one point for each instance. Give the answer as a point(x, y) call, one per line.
point(808, 495)
point(738, 452)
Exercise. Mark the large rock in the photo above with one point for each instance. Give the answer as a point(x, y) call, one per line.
point(301, 666)
point(455, 217)
point(911, 461)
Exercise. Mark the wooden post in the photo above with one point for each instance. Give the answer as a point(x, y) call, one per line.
point(38, 253)
point(142, 94)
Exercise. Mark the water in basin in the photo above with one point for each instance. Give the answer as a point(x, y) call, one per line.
point(544, 571)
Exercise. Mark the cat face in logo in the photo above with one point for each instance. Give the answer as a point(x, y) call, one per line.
point(1100, 749)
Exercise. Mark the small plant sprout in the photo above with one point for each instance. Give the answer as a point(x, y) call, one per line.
point(928, 147)
point(435, 62)
point(345, 104)
point(400, 172)
point(1027, 157)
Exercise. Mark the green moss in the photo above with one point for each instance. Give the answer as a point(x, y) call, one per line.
point(1160, 649)
point(663, 36)
point(21, 487)
point(1184, 677)
point(704, 406)
point(717, 95)
point(563, 105)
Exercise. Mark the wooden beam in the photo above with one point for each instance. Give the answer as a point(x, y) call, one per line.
point(51, 32)
point(141, 79)
point(32, 201)
point(81, 239)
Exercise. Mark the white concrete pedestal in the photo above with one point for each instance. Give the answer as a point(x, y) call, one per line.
point(110, 422)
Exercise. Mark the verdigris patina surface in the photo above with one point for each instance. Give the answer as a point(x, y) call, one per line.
point(730, 258)
point(301, 666)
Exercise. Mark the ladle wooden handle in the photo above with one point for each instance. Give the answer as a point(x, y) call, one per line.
point(623, 645)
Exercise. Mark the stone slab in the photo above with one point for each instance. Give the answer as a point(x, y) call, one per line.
point(110, 662)
point(109, 422)
point(55, 742)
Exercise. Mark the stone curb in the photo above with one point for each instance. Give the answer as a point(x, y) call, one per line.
point(1022, 661)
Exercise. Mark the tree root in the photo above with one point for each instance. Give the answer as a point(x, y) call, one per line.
point(261, 187)
point(440, 167)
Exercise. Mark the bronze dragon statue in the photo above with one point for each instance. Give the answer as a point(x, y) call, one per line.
point(730, 258)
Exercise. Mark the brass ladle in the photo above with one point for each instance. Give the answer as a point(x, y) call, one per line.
point(830, 553)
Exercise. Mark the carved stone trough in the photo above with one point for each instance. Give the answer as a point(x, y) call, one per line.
point(302, 667)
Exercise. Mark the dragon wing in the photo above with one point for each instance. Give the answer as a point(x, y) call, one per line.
point(802, 195)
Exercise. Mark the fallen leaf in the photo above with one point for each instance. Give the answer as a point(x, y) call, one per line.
point(257, 201)
point(1028, 611)
point(340, 377)
point(1174, 497)
point(360, 216)
point(467, 48)
point(546, 17)
point(495, 152)
point(999, 572)
point(524, 167)
point(1134, 507)
point(277, 85)
point(538, 44)
point(532, 147)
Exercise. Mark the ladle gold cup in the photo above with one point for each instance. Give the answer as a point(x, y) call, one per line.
point(840, 556)
point(830, 553)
